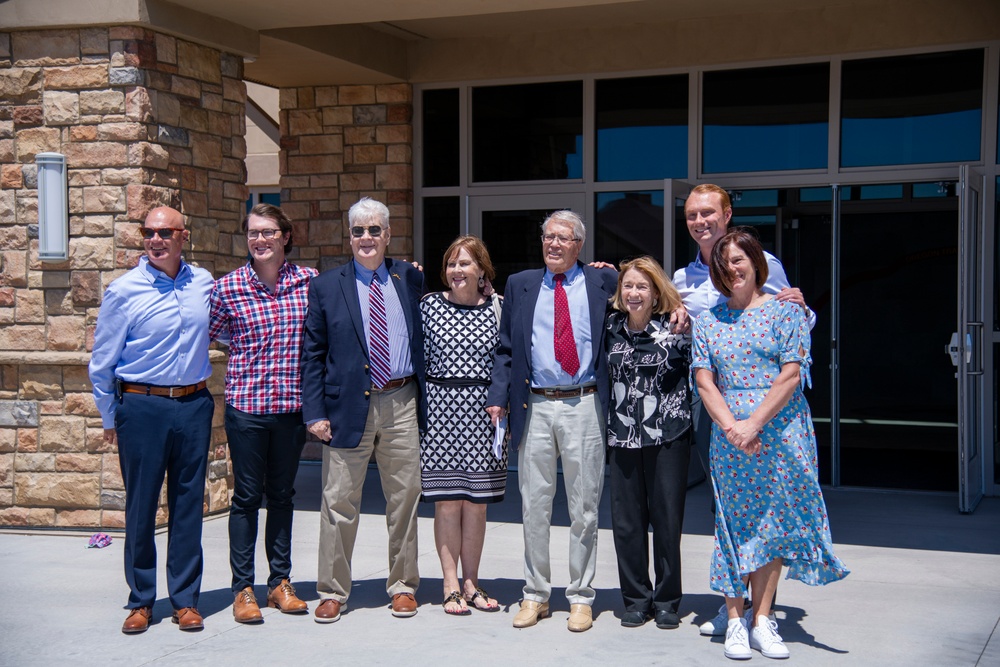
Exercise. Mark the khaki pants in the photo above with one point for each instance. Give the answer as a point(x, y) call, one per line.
point(391, 432)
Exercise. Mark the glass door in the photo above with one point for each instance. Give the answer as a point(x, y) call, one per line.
point(510, 225)
point(966, 346)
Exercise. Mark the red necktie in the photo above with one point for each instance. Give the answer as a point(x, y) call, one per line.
point(565, 344)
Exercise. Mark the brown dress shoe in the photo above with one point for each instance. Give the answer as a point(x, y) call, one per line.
point(137, 621)
point(404, 605)
point(530, 613)
point(283, 597)
point(328, 611)
point(188, 619)
point(245, 609)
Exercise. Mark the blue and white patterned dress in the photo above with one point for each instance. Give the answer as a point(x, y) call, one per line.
point(768, 505)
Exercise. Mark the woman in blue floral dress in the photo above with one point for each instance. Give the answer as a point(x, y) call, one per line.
point(750, 359)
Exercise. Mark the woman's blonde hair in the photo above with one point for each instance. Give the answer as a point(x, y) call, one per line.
point(669, 298)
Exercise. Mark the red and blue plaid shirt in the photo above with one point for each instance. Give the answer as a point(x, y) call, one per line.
point(265, 337)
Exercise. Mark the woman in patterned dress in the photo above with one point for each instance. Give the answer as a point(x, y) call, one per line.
point(460, 471)
point(649, 440)
point(751, 356)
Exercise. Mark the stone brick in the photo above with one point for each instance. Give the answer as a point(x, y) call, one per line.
point(7, 297)
point(112, 519)
point(62, 434)
point(168, 108)
point(337, 116)
point(96, 154)
point(41, 383)
point(35, 140)
point(313, 164)
point(69, 490)
point(185, 87)
point(104, 199)
point(10, 176)
point(393, 177)
point(369, 114)
point(7, 469)
point(26, 206)
point(24, 516)
point(113, 500)
point(231, 65)
point(4, 45)
point(78, 518)
point(304, 122)
point(33, 463)
point(399, 113)
point(143, 198)
point(206, 151)
point(50, 407)
point(21, 85)
point(102, 102)
point(359, 135)
point(8, 440)
point(75, 379)
point(399, 153)
point(66, 333)
point(175, 136)
point(116, 176)
point(28, 116)
point(357, 182)
point(81, 76)
point(86, 290)
point(83, 133)
point(394, 134)
point(93, 41)
point(367, 155)
point(58, 302)
point(111, 472)
point(13, 269)
point(198, 62)
point(138, 105)
point(48, 47)
point(288, 98)
point(166, 48)
point(211, 101)
point(77, 463)
point(327, 143)
point(27, 440)
point(124, 76)
point(234, 90)
point(92, 253)
point(7, 213)
point(393, 92)
point(357, 95)
point(30, 306)
point(7, 152)
point(7, 128)
point(19, 413)
point(121, 131)
point(326, 96)
point(98, 225)
point(61, 107)
point(13, 238)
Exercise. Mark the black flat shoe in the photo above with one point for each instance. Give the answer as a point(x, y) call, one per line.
point(667, 620)
point(634, 619)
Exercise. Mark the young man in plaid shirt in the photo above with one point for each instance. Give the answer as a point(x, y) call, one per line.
point(259, 309)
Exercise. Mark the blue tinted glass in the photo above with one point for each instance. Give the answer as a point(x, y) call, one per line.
point(912, 109)
point(881, 192)
point(273, 198)
point(628, 224)
point(815, 194)
point(766, 119)
point(249, 204)
point(642, 128)
point(932, 190)
point(747, 198)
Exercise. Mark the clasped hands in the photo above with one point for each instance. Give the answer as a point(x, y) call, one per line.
point(744, 436)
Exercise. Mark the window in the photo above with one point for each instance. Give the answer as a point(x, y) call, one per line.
point(263, 196)
point(628, 224)
point(440, 137)
point(442, 224)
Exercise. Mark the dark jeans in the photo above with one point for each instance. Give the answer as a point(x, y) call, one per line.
point(648, 488)
point(265, 451)
point(156, 436)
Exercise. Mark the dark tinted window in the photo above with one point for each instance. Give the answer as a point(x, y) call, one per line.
point(440, 136)
point(766, 119)
point(527, 132)
point(912, 109)
point(642, 128)
point(442, 223)
point(628, 224)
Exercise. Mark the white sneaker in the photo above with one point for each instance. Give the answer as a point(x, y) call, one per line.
point(748, 615)
point(765, 638)
point(717, 626)
point(737, 642)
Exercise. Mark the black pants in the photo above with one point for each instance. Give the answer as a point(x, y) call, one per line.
point(648, 488)
point(265, 451)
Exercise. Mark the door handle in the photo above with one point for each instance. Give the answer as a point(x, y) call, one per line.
point(951, 349)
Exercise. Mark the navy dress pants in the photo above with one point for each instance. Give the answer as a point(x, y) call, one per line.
point(160, 436)
point(265, 451)
point(648, 488)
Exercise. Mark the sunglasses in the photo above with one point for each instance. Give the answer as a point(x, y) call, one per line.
point(165, 233)
point(357, 231)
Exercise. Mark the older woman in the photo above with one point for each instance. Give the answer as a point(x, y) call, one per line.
point(460, 471)
point(649, 437)
point(751, 356)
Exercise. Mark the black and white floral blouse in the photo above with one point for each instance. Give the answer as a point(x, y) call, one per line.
point(650, 400)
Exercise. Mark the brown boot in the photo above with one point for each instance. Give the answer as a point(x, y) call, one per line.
point(245, 609)
point(283, 597)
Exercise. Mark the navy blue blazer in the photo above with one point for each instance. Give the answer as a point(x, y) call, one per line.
point(511, 379)
point(336, 380)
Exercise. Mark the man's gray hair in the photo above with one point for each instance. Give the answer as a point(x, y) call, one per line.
point(367, 209)
point(567, 217)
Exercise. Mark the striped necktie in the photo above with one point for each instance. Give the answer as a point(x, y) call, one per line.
point(378, 336)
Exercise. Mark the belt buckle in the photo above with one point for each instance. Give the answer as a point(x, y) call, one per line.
point(171, 392)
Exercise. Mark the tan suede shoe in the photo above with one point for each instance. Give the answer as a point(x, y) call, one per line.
point(284, 598)
point(137, 621)
point(581, 617)
point(530, 613)
point(245, 609)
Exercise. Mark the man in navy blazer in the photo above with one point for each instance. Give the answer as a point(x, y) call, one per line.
point(550, 368)
point(363, 393)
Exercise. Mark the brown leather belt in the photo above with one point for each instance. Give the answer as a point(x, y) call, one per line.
point(395, 384)
point(575, 392)
point(169, 392)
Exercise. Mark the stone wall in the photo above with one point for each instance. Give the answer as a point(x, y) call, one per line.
point(144, 119)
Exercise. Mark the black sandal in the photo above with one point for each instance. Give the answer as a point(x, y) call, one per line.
point(480, 594)
point(455, 597)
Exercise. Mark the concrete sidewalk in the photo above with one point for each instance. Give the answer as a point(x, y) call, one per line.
point(924, 590)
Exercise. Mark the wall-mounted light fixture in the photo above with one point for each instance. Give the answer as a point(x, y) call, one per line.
point(53, 212)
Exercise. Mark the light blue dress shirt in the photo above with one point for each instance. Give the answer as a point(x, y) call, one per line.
point(401, 365)
point(699, 294)
point(151, 329)
point(545, 370)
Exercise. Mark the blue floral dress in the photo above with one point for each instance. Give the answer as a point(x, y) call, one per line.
point(768, 505)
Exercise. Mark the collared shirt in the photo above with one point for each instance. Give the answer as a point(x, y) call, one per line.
point(545, 370)
point(151, 329)
point(400, 363)
point(264, 331)
point(699, 294)
point(650, 404)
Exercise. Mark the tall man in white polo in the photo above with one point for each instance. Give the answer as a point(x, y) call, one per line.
point(551, 370)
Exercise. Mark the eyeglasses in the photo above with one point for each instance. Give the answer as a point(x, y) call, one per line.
point(357, 231)
point(254, 234)
point(165, 233)
point(564, 240)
